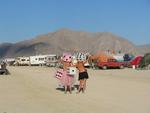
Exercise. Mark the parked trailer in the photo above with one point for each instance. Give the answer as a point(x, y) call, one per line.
point(22, 61)
point(52, 60)
point(39, 60)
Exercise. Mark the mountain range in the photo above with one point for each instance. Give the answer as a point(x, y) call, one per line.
point(66, 40)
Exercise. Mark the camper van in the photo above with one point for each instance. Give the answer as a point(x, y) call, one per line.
point(51, 60)
point(22, 61)
point(39, 60)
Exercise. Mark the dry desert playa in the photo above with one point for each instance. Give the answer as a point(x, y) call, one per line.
point(33, 90)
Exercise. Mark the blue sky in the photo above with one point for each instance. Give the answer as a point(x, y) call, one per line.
point(26, 19)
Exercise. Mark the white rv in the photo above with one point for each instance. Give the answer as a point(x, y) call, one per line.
point(38, 60)
point(22, 61)
point(51, 60)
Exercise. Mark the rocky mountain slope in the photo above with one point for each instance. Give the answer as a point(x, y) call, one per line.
point(66, 40)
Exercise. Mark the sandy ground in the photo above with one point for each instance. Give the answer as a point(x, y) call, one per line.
point(33, 90)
